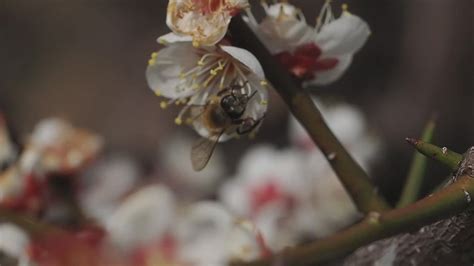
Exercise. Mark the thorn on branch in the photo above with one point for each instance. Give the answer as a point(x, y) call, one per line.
point(443, 155)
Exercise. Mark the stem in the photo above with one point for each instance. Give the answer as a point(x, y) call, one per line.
point(28, 224)
point(443, 204)
point(447, 157)
point(417, 170)
point(351, 175)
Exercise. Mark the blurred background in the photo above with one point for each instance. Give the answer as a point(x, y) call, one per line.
point(84, 60)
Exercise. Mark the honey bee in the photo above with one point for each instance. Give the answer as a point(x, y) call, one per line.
point(224, 114)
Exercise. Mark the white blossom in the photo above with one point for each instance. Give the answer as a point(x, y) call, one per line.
point(318, 55)
point(106, 183)
point(271, 189)
point(13, 240)
point(143, 217)
point(205, 21)
point(194, 76)
point(209, 235)
point(57, 146)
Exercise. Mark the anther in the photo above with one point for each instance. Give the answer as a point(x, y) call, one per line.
point(345, 7)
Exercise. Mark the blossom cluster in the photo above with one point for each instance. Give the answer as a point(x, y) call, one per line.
point(201, 70)
point(173, 216)
point(111, 216)
point(103, 210)
point(198, 66)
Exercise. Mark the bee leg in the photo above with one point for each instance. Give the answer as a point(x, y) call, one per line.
point(251, 123)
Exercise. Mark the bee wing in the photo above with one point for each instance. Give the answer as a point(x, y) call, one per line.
point(202, 150)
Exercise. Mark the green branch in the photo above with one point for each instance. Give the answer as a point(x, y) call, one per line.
point(351, 175)
point(417, 170)
point(443, 204)
point(443, 155)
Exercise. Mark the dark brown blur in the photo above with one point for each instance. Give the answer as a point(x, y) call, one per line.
point(84, 60)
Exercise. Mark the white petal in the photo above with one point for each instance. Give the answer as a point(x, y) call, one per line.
point(325, 77)
point(11, 184)
point(279, 36)
point(172, 37)
point(246, 58)
point(106, 183)
point(13, 240)
point(206, 28)
point(203, 230)
point(243, 242)
point(49, 131)
point(163, 72)
point(276, 10)
point(345, 35)
point(145, 216)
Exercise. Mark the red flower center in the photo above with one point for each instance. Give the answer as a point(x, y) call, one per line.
point(305, 61)
point(208, 6)
point(269, 193)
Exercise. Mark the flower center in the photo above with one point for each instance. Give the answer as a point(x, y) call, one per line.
point(208, 6)
point(269, 193)
point(305, 61)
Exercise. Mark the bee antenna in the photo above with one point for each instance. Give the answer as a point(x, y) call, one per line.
point(253, 94)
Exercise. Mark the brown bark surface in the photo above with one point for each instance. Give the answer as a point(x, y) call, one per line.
point(447, 242)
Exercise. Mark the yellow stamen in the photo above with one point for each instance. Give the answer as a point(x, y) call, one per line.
point(263, 83)
point(151, 62)
point(157, 92)
point(163, 105)
point(345, 7)
point(263, 102)
point(214, 99)
point(178, 121)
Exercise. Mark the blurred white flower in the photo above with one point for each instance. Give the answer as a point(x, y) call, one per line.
point(7, 149)
point(56, 146)
point(350, 127)
point(106, 183)
point(195, 77)
point(204, 22)
point(210, 236)
point(188, 183)
point(330, 198)
point(13, 240)
point(317, 55)
point(271, 188)
point(143, 217)
point(11, 184)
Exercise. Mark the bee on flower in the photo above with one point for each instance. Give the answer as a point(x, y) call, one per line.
point(204, 22)
point(222, 88)
point(317, 55)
